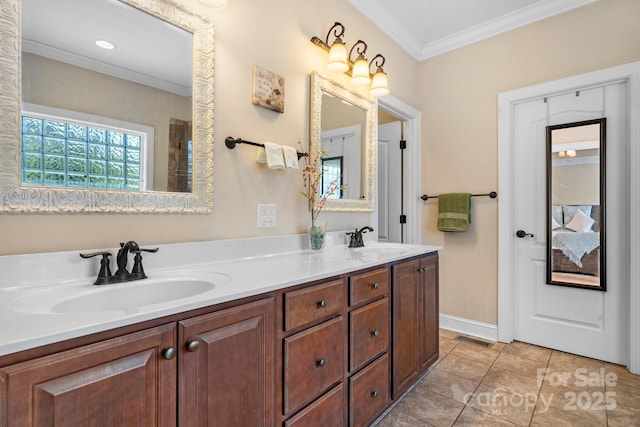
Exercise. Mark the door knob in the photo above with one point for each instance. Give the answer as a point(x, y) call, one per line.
point(522, 233)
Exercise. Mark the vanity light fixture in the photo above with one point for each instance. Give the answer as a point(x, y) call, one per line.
point(568, 153)
point(338, 60)
point(214, 4)
point(360, 70)
point(379, 81)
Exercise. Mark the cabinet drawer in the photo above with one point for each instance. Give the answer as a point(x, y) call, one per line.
point(328, 410)
point(369, 392)
point(313, 361)
point(313, 303)
point(369, 285)
point(369, 332)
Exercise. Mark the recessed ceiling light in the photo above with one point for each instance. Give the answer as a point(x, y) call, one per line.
point(105, 44)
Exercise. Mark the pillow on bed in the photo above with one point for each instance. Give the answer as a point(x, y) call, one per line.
point(580, 222)
point(569, 212)
point(556, 214)
point(554, 224)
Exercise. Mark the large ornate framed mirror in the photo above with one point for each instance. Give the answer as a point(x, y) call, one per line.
point(54, 139)
point(576, 204)
point(344, 124)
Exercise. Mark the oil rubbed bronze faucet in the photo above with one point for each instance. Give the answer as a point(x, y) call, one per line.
point(356, 237)
point(122, 274)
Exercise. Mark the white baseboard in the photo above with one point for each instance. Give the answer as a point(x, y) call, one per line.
point(469, 327)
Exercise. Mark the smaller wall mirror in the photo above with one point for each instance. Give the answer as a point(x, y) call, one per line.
point(344, 125)
point(576, 204)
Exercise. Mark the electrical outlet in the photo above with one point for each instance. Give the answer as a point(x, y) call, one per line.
point(266, 216)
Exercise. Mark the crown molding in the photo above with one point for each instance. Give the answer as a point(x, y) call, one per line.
point(536, 12)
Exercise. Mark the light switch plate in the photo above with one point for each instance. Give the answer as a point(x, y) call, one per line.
point(266, 216)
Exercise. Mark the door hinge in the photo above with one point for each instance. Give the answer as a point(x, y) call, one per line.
point(403, 144)
point(403, 219)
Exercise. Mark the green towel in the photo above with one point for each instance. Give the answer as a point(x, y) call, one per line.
point(454, 211)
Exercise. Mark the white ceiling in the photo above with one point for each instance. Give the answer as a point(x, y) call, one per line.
point(426, 28)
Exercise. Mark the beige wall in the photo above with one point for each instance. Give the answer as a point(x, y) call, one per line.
point(459, 128)
point(275, 35)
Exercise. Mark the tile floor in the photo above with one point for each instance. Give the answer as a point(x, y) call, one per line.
point(517, 384)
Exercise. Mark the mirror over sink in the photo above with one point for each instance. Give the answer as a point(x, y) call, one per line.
point(344, 126)
point(576, 204)
point(54, 144)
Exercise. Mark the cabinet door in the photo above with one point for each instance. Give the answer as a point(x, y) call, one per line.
point(125, 381)
point(227, 367)
point(429, 311)
point(406, 327)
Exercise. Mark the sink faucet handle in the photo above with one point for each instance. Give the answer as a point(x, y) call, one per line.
point(137, 270)
point(105, 269)
point(154, 250)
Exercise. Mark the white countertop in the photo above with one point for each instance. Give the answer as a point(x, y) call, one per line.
point(238, 268)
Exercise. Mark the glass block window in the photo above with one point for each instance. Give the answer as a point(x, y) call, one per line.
point(61, 153)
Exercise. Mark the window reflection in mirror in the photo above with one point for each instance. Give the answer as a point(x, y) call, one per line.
point(332, 171)
point(575, 204)
point(100, 96)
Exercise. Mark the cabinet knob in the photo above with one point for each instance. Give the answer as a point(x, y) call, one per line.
point(375, 333)
point(320, 363)
point(193, 345)
point(374, 393)
point(169, 353)
point(422, 269)
point(322, 304)
point(375, 285)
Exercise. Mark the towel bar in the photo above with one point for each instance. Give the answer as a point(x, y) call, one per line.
point(231, 142)
point(493, 195)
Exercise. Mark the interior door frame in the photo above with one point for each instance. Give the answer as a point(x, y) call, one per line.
point(629, 73)
point(410, 118)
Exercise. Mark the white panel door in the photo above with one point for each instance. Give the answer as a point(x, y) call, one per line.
point(389, 182)
point(580, 321)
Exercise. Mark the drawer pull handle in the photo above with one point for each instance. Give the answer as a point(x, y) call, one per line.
point(422, 269)
point(375, 333)
point(375, 285)
point(193, 345)
point(169, 353)
point(320, 363)
point(322, 304)
point(374, 393)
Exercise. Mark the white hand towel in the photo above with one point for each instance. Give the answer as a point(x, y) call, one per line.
point(290, 157)
point(261, 155)
point(275, 159)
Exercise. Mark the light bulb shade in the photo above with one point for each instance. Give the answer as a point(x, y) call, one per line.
point(562, 154)
point(360, 73)
point(571, 153)
point(338, 57)
point(215, 4)
point(379, 83)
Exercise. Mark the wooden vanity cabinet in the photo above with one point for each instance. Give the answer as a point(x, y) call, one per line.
point(210, 370)
point(125, 381)
point(330, 353)
point(415, 320)
point(226, 367)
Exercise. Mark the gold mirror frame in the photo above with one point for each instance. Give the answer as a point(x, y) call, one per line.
point(15, 197)
point(320, 84)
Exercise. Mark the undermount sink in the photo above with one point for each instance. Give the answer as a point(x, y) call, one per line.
point(126, 296)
